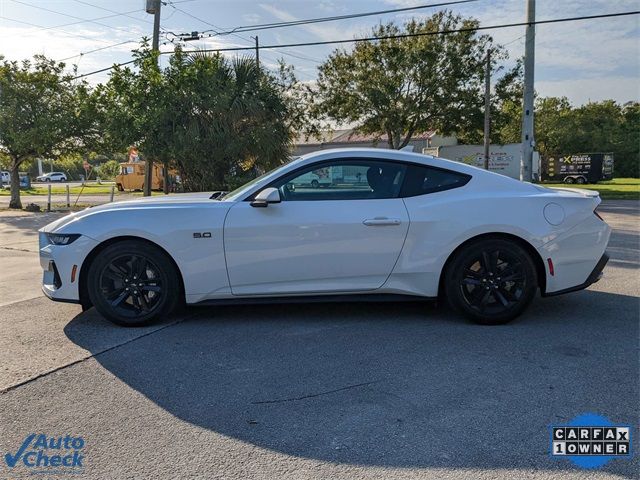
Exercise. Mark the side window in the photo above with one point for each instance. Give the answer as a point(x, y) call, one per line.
point(421, 180)
point(343, 180)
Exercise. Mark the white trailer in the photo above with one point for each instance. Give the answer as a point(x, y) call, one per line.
point(503, 159)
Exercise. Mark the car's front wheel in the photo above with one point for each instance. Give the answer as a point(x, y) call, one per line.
point(491, 281)
point(133, 283)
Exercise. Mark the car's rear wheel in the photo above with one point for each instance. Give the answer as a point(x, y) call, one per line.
point(132, 283)
point(315, 184)
point(491, 281)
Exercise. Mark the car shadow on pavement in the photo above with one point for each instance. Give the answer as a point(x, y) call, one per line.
point(391, 384)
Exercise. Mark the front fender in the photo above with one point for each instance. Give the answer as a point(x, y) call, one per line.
point(200, 258)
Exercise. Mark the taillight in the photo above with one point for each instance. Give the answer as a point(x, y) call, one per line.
point(595, 212)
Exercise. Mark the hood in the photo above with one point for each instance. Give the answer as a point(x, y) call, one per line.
point(180, 199)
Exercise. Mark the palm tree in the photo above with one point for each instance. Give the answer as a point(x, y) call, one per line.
point(229, 119)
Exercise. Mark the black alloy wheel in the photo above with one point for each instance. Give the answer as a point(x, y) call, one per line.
point(132, 283)
point(491, 281)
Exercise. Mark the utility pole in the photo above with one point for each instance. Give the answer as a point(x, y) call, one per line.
point(528, 139)
point(487, 109)
point(257, 52)
point(153, 7)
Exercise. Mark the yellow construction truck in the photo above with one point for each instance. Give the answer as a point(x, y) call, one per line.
point(131, 176)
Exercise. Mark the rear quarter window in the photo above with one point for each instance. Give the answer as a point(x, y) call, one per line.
point(421, 180)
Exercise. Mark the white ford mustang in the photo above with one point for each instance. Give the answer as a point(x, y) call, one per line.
point(367, 223)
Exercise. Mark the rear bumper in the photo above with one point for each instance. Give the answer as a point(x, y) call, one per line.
point(574, 254)
point(594, 276)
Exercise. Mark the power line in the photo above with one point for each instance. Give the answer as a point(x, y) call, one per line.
point(292, 23)
point(102, 70)
point(514, 40)
point(123, 14)
point(82, 20)
point(296, 55)
point(423, 34)
point(40, 27)
point(81, 54)
point(387, 37)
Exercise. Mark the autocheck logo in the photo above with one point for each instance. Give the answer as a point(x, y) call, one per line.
point(47, 454)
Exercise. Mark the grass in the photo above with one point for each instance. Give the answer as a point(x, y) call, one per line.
point(616, 189)
point(90, 189)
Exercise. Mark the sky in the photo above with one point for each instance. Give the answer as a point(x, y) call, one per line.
point(585, 61)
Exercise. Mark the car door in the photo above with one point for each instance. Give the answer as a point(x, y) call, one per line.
point(344, 236)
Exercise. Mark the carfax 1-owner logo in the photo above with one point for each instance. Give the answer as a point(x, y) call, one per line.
point(591, 441)
point(51, 455)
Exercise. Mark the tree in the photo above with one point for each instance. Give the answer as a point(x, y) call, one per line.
point(562, 128)
point(235, 124)
point(213, 118)
point(401, 86)
point(108, 170)
point(44, 112)
point(133, 107)
point(627, 155)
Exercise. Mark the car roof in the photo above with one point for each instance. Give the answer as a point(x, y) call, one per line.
point(389, 155)
point(494, 179)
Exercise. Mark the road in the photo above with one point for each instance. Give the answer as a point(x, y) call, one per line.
point(348, 390)
point(85, 198)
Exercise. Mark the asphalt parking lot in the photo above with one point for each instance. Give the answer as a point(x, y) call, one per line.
point(344, 390)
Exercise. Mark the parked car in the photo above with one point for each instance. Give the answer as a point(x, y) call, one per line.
point(316, 179)
point(52, 177)
point(5, 177)
point(423, 227)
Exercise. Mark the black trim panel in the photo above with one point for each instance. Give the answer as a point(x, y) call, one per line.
point(367, 297)
point(594, 276)
point(62, 300)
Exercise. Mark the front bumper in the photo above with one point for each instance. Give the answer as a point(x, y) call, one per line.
point(57, 262)
point(594, 276)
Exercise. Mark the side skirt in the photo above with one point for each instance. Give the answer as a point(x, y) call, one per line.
point(371, 297)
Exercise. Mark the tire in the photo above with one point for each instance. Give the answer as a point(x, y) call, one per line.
point(581, 181)
point(132, 283)
point(569, 180)
point(47, 180)
point(315, 183)
point(475, 282)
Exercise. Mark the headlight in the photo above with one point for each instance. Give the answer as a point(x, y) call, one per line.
point(62, 238)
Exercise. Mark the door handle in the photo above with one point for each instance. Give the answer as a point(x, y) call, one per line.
point(381, 222)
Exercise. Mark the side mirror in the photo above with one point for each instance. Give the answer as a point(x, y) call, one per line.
point(266, 196)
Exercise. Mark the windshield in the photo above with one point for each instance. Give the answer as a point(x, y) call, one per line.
point(239, 192)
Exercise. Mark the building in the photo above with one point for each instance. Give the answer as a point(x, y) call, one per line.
point(349, 138)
